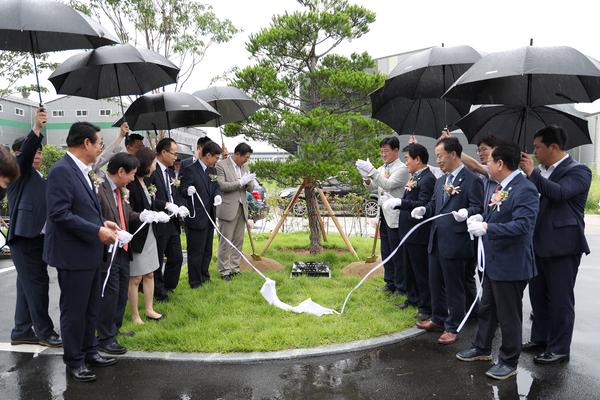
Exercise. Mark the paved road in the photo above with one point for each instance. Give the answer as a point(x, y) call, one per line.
point(414, 369)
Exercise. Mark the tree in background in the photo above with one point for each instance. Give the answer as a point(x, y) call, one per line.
point(316, 103)
point(15, 66)
point(51, 154)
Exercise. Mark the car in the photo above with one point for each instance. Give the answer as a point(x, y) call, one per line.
point(332, 188)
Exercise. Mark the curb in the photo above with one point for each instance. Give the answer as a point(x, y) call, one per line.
point(227, 358)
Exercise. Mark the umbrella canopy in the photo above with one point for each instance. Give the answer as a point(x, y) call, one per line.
point(429, 73)
point(46, 25)
point(530, 76)
point(424, 117)
point(233, 104)
point(518, 124)
point(167, 111)
point(113, 71)
point(40, 26)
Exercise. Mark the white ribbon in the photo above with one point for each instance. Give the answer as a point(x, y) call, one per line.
point(480, 267)
point(115, 246)
point(268, 289)
point(375, 268)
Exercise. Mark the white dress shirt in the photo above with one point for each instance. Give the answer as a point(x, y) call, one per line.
point(546, 172)
point(85, 169)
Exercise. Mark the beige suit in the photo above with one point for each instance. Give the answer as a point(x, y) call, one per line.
point(232, 214)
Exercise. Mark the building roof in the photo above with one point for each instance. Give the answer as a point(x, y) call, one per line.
point(19, 100)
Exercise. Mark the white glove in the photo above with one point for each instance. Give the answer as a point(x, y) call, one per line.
point(191, 191)
point(246, 179)
point(418, 212)
point(476, 228)
point(172, 208)
point(391, 203)
point(183, 212)
point(124, 237)
point(365, 166)
point(460, 215)
point(162, 217)
point(476, 217)
point(147, 216)
point(218, 200)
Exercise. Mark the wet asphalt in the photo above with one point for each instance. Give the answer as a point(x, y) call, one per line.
point(417, 368)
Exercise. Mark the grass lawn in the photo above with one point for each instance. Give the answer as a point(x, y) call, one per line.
point(234, 317)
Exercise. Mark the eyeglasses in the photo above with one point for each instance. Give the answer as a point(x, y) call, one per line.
point(173, 153)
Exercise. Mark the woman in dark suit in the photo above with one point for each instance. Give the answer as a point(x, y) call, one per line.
point(143, 244)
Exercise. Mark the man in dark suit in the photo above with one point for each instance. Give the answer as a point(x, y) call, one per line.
point(120, 172)
point(75, 235)
point(27, 205)
point(197, 154)
point(459, 191)
point(200, 177)
point(418, 192)
point(558, 241)
point(507, 228)
point(167, 235)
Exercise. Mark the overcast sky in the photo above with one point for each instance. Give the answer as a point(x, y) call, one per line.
point(406, 25)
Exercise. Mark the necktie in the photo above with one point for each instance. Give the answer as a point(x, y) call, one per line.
point(168, 186)
point(121, 214)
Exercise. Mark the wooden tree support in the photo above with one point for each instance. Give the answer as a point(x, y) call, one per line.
point(307, 183)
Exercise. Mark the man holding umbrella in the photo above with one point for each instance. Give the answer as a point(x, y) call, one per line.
point(559, 241)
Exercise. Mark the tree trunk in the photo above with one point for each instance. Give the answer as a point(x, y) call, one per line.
point(312, 210)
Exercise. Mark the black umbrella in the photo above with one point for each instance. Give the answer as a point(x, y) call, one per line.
point(233, 104)
point(516, 124)
point(430, 72)
point(530, 76)
point(40, 26)
point(167, 111)
point(424, 117)
point(108, 71)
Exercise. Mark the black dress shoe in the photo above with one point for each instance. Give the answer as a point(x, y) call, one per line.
point(195, 285)
point(386, 289)
point(473, 354)
point(530, 347)
point(550, 358)
point(422, 316)
point(112, 348)
point(162, 298)
point(96, 360)
point(51, 341)
point(404, 305)
point(227, 277)
point(81, 374)
point(28, 339)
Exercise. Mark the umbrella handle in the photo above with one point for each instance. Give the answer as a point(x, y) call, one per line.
point(37, 78)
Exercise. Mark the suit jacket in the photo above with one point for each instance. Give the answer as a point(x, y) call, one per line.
point(111, 213)
point(74, 219)
point(560, 227)
point(160, 200)
point(418, 196)
point(138, 203)
point(393, 184)
point(509, 240)
point(27, 194)
point(207, 189)
point(184, 164)
point(453, 240)
point(233, 193)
